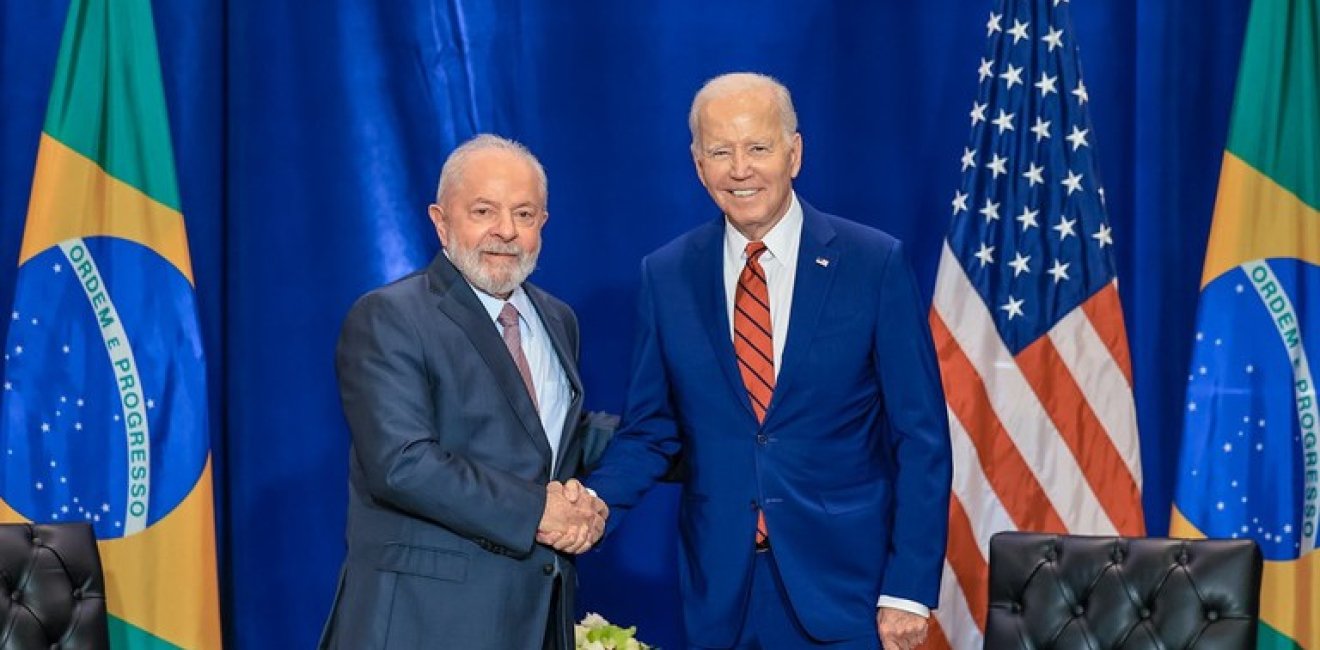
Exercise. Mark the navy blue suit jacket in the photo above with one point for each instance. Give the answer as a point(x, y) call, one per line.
point(447, 474)
point(852, 464)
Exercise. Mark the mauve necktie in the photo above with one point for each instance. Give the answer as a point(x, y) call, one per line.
point(508, 319)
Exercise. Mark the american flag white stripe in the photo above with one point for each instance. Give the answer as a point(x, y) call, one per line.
point(1014, 401)
point(960, 628)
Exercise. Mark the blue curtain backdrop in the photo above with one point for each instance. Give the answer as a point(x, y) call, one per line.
point(308, 137)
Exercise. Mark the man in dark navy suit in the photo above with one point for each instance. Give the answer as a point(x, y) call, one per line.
point(461, 390)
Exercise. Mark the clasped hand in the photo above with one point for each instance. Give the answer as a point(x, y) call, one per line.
point(573, 520)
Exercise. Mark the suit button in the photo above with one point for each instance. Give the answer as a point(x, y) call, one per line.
point(761, 439)
point(548, 569)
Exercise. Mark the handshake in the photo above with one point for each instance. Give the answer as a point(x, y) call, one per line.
point(573, 520)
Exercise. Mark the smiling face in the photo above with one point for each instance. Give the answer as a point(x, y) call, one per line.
point(490, 220)
point(745, 159)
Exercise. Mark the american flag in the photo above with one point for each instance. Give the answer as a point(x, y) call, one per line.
point(1027, 320)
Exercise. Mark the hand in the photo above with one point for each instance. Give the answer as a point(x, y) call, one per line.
point(574, 491)
point(899, 629)
point(573, 520)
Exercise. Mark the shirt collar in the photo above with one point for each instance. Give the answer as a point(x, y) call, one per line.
point(494, 305)
point(781, 239)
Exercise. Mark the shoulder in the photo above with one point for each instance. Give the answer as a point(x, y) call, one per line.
point(678, 251)
point(853, 239)
point(393, 307)
point(396, 294)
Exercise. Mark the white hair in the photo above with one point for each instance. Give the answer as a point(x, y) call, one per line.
point(457, 161)
point(737, 82)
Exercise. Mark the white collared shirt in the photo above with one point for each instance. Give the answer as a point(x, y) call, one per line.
point(553, 393)
point(780, 264)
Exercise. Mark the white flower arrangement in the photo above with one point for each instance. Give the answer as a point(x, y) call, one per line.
point(596, 633)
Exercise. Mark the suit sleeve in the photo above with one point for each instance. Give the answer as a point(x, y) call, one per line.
point(386, 389)
point(919, 429)
point(647, 441)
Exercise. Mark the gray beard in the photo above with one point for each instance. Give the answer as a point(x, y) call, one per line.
point(468, 262)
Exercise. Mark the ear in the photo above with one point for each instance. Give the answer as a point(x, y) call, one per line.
point(437, 215)
point(697, 162)
point(795, 154)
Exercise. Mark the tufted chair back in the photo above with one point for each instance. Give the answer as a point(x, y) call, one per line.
point(52, 593)
point(1102, 593)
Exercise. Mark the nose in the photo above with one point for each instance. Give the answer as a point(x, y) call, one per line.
point(742, 166)
point(504, 227)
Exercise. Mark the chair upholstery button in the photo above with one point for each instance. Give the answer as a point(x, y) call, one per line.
point(17, 596)
point(1015, 607)
point(36, 541)
point(1078, 610)
point(1182, 558)
point(1145, 613)
point(548, 569)
point(77, 594)
point(1212, 615)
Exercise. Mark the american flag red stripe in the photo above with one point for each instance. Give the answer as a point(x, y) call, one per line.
point(935, 639)
point(967, 562)
point(1106, 315)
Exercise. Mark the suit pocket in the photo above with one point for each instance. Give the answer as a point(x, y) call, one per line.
point(850, 499)
point(436, 563)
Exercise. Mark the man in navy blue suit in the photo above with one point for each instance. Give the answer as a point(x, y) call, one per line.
point(785, 354)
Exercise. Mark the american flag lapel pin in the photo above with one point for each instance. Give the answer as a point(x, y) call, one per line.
point(822, 262)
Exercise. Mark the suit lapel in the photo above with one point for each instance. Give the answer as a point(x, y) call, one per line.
point(565, 351)
point(706, 261)
point(460, 304)
point(817, 265)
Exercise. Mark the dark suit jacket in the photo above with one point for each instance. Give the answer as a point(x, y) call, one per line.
point(852, 465)
point(447, 473)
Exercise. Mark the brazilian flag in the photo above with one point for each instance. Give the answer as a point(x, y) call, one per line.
point(103, 413)
point(1250, 461)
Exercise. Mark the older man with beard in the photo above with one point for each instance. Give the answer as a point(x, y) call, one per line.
point(460, 386)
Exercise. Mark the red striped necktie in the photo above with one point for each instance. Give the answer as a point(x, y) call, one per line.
point(753, 343)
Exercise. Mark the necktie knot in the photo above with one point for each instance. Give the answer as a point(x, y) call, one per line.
point(754, 250)
point(508, 316)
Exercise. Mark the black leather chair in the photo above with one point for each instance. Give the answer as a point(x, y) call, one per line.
point(52, 592)
point(1102, 593)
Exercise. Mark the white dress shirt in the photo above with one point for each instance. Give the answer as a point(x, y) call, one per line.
point(780, 264)
point(553, 393)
